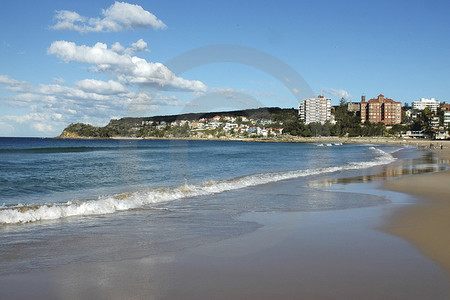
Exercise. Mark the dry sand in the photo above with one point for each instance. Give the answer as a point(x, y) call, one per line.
point(427, 224)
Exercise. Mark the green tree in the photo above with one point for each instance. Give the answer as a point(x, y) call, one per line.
point(297, 128)
point(396, 129)
point(347, 123)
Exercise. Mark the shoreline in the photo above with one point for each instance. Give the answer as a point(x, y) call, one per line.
point(284, 139)
point(425, 224)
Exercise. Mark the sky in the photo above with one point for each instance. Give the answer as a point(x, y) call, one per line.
point(65, 62)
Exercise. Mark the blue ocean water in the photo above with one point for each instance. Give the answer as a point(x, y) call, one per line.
point(70, 200)
point(39, 173)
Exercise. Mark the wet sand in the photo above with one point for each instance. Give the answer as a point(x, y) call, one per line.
point(427, 224)
point(321, 255)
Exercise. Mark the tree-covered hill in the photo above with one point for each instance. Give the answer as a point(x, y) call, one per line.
point(130, 126)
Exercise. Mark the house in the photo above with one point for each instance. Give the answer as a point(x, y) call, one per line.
point(416, 134)
point(275, 131)
point(441, 135)
point(198, 125)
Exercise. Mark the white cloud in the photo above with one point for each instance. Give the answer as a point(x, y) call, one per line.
point(141, 103)
point(67, 19)
point(24, 99)
point(338, 93)
point(69, 92)
point(43, 127)
point(28, 117)
point(118, 48)
point(98, 54)
point(127, 68)
point(118, 17)
point(159, 76)
point(13, 84)
point(51, 107)
point(101, 87)
point(40, 122)
point(144, 98)
point(8, 80)
point(139, 46)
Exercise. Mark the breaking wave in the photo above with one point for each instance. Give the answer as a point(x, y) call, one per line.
point(142, 199)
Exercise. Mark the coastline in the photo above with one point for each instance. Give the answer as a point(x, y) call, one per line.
point(282, 139)
point(426, 223)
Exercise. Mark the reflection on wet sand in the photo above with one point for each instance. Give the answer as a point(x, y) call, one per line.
point(428, 163)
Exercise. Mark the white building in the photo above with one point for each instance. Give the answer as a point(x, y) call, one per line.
point(432, 103)
point(434, 122)
point(315, 110)
point(447, 119)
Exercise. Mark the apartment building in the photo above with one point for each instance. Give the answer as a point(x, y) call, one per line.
point(313, 110)
point(382, 110)
point(446, 109)
point(432, 103)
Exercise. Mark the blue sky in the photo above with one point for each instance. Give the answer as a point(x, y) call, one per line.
point(90, 61)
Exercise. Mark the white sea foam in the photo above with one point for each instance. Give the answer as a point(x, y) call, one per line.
point(143, 199)
point(329, 144)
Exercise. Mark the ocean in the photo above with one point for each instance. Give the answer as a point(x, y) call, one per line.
point(63, 201)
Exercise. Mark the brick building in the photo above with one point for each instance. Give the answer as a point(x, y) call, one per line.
point(382, 110)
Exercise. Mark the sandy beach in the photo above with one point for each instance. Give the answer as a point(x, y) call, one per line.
point(426, 224)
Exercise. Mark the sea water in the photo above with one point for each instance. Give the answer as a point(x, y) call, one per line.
point(98, 200)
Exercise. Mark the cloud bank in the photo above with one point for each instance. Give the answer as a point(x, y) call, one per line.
point(120, 16)
point(126, 68)
point(52, 106)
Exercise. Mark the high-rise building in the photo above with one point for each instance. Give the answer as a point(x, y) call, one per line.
point(382, 110)
point(432, 103)
point(315, 110)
